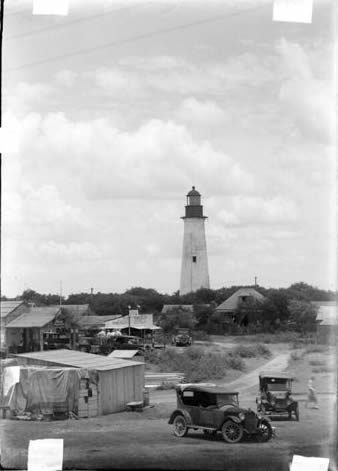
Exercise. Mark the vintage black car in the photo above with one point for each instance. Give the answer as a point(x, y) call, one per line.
point(213, 409)
point(275, 395)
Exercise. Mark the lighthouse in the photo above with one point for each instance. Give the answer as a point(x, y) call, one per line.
point(194, 271)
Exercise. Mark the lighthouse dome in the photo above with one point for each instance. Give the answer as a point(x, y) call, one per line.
point(193, 192)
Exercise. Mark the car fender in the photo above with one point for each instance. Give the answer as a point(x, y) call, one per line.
point(233, 418)
point(183, 412)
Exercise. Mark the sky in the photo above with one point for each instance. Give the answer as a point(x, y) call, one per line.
point(115, 111)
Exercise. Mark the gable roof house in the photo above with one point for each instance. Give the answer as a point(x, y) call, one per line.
point(26, 331)
point(10, 310)
point(244, 299)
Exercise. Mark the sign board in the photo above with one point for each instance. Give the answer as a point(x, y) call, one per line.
point(133, 313)
point(144, 320)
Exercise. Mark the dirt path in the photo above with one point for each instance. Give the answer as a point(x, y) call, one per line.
point(249, 380)
point(242, 384)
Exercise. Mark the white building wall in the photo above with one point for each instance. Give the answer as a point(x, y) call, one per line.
point(194, 275)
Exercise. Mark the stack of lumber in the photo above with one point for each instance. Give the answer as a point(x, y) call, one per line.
point(88, 399)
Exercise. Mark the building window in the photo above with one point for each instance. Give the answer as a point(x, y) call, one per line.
point(194, 258)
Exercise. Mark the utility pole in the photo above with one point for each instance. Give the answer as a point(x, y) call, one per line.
point(60, 293)
point(129, 308)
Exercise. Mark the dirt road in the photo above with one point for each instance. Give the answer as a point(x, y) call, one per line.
point(132, 440)
point(145, 441)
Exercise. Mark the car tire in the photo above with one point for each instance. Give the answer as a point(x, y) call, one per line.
point(265, 431)
point(232, 432)
point(180, 426)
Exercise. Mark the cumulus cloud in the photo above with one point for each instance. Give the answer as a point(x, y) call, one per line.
point(156, 160)
point(251, 210)
point(308, 99)
point(204, 113)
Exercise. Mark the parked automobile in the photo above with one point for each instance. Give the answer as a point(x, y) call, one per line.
point(182, 338)
point(213, 409)
point(126, 342)
point(275, 395)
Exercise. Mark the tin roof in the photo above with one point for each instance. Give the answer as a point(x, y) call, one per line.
point(96, 321)
point(8, 306)
point(275, 374)
point(205, 388)
point(231, 303)
point(35, 317)
point(79, 359)
point(123, 353)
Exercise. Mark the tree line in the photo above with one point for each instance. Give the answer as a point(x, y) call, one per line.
point(282, 308)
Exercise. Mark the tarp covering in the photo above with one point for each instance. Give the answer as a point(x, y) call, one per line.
point(45, 391)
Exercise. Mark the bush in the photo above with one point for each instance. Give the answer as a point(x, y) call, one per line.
point(295, 356)
point(317, 362)
point(200, 335)
point(252, 351)
point(195, 363)
point(315, 348)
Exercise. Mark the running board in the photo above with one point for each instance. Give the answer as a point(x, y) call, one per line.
point(203, 428)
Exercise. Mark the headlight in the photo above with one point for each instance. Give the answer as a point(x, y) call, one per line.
point(241, 416)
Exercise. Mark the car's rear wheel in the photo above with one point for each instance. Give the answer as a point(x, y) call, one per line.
point(180, 426)
point(265, 431)
point(232, 432)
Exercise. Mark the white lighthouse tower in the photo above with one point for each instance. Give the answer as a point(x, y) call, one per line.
point(194, 272)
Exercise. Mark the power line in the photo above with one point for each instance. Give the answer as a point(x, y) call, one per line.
point(70, 23)
point(138, 37)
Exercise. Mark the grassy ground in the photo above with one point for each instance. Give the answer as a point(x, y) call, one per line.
point(318, 361)
point(208, 361)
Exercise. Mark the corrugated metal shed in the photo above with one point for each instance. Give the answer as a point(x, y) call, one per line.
point(79, 359)
point(231, 303)
point(123, 353)
point(8, 306)
point(35, 317)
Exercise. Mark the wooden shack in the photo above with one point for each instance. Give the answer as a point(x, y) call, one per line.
point(109, 385)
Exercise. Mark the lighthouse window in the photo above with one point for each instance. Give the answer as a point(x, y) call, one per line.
point(194, 258)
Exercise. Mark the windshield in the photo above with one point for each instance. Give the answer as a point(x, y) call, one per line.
point(277, 387)
point(225, 399)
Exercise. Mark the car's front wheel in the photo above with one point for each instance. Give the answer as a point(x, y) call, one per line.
point(232, 432)
point(265, 431)
point(180, 426)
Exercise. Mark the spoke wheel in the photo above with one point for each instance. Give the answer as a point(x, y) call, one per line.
point(180, 426)
point(265, 431)
point(232, 432)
